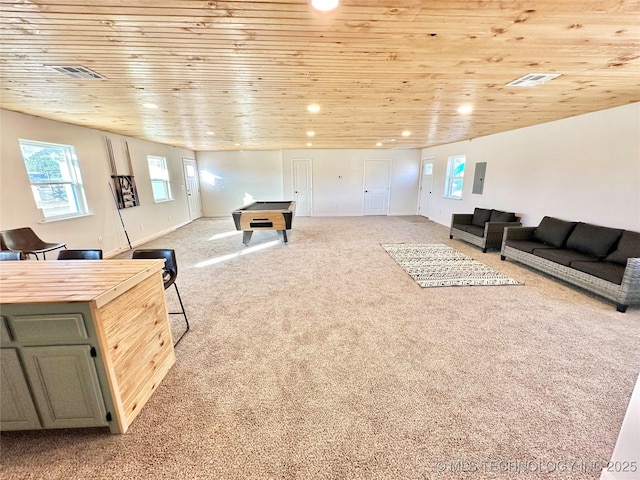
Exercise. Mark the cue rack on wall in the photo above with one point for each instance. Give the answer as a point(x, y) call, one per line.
point(126, 193)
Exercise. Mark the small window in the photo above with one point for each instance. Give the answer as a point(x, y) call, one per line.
point(455, 177)
point(159, 178)
point(56, 183)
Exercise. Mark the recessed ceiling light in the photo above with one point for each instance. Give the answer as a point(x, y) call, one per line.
point(309, 144)
point(237, 144)
point(465, 109)
point(406, 133)
point(324, 5)
point(379, 144)
point(313, 108)
point(152, 106)
point(310, 133)
point(210, 133)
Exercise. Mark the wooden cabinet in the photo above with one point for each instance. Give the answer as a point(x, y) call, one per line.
point(65, 386)
point(91, 352)
point(17, 410)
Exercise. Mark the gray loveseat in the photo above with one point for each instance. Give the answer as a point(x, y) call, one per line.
point(603, 260)
point(483, 228)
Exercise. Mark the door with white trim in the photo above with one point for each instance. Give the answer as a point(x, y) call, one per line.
point(192, 183)
point(426, 186)
point(376, 187)
point(302, 187)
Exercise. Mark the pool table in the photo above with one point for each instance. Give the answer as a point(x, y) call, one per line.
point(270, 215)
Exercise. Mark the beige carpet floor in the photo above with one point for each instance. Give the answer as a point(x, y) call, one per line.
point(323, 359)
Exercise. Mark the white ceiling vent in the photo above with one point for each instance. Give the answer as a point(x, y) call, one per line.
point(533, 80)
point(77, 72)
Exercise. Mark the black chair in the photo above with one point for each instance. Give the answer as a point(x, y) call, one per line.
point(169, 275)
point(10, 255)
point(26, 240)
point(86, 254)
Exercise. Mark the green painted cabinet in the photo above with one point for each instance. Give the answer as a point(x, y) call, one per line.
point(49, 377)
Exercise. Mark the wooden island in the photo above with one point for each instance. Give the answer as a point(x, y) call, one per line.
point(84, 343)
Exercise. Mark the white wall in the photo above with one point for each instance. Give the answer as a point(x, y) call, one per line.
point(228, 180)
point(18, 208)
point(338, 179)
point(584, 168)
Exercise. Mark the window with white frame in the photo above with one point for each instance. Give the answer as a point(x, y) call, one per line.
point(56, 182)
point(159, 178)
point(455, 177)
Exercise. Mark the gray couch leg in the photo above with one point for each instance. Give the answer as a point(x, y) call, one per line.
point(621, 308)
point(450, 237)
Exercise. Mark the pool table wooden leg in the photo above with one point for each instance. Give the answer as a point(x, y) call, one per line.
point(246, 236)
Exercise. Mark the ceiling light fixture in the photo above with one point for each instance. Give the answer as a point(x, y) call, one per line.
point(379, 144)
point(210, 133)
point(313, 108)
point(324, 5)
point(310, 133)
point(533, 80)
point(406, 133)
point(151, 106)
point(465, 109)
point(309, 144)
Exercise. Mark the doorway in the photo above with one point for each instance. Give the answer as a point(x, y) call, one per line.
point(192, 183)
point(376, 187)
point(426, 186)
point(302, 187)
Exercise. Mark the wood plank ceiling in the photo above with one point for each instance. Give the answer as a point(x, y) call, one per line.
point(246, 70)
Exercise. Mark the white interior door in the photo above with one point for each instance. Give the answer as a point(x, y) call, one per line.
point(302, 187)
point(193, 188)
point(426, 186)
point(376, 187)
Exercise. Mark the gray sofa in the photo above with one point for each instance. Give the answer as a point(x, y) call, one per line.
point(483, 228)
point(602, 260)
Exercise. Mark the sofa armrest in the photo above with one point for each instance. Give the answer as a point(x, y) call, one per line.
point(461, 218)
point(519, 233)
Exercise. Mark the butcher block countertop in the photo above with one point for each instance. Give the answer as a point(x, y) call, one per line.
point(53, 281)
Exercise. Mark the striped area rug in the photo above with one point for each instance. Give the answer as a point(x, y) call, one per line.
point(438, 265)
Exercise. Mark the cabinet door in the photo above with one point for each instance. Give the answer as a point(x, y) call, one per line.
point(65, 386)
point(17, 411)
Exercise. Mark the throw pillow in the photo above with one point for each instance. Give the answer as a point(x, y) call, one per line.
point(553, 231)
point(499, 216)
point(480, 217)
point(628, 247)
point(593, 239)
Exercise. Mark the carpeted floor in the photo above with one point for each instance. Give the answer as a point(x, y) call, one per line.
point(322, 359)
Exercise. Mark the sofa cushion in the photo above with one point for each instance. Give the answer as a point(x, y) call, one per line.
point(480, 216)
point(474, 230)
point(593, 240)
point(499, 216)
point(628, 247)
point(553, 231)
point(563, 256)
point(609, 271)
point(527, 245)
point(460, 226)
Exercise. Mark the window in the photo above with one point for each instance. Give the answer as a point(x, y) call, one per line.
point(455, 177)
point(159, 178)
point(55, 179)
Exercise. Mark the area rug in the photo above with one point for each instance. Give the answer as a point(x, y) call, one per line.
point(438, 265)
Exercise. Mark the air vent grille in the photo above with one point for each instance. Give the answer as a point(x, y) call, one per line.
point(77, 71)
point(533, 79)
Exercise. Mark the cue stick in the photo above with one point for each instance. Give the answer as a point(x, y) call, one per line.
point(120, 215)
